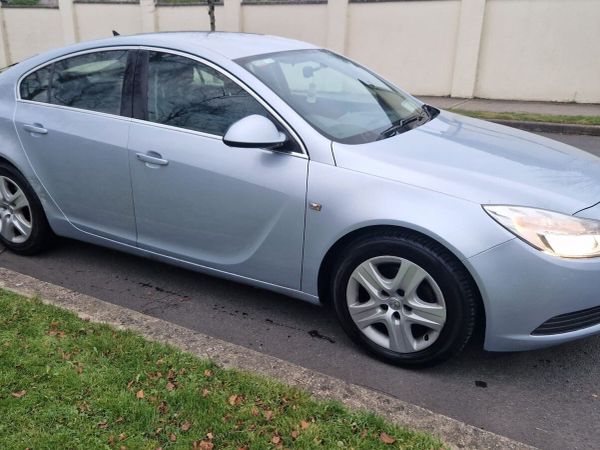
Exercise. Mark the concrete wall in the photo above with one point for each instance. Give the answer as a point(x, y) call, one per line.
point(508, 49)
point(303, 22)
point(97, 20)
point(406, 42)
point(540, 49)
point(184, 17)
point(24, 40)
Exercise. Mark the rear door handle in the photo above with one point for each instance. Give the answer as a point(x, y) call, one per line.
point(35, 128)
point(152, 158)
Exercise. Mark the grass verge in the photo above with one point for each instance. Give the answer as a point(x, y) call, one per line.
point(486, 115)
point(68, 383)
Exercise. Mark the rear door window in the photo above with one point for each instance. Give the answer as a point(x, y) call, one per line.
point(93, 81)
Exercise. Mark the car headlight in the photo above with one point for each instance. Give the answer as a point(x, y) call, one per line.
point(551, 232)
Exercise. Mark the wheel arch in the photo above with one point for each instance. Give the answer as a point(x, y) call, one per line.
point(329, 262)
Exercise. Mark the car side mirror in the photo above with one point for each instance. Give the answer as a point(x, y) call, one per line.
point(254, 132)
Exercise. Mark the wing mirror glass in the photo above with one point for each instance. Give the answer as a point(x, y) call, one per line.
point(254, 132)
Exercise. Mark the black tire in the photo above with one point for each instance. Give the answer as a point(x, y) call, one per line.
point(41, 235)
point(459, 293)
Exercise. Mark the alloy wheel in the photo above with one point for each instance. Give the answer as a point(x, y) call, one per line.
point(15, 212)
point(396, 303)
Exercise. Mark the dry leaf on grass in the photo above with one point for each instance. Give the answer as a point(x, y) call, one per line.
point(202, 445)
point(386, 438)
point(185, 426)
point(235, 400)
point(18, 394)
point(163, 408)
point(304, 424)
point(140, 394)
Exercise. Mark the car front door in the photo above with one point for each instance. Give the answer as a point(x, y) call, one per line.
point(238, 210)
point(70, 121)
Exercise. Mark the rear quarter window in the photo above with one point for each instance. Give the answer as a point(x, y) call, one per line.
point(36, 85)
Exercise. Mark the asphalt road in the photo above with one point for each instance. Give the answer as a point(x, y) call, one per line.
point(549, 398)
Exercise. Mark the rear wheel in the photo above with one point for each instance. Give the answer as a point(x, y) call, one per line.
point(404, 298)
point(23, 225)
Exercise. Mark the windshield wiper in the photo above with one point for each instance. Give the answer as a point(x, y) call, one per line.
point(400, 125)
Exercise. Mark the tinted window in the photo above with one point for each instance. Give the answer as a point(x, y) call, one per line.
point(93, 81)
point(187, 94)
point(35, 86)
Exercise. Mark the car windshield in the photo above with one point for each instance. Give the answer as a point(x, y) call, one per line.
point(342, 100)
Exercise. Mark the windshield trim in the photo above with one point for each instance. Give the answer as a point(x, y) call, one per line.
point(347, 141)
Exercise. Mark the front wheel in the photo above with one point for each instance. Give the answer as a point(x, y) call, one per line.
point(23, 225)
point(404, 298)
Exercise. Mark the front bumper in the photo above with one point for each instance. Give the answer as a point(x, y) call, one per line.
point(523, 288)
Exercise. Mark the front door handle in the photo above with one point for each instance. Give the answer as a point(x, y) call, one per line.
point(152, 158)
point(35, 128)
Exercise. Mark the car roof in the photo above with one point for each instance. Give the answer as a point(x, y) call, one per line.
point(228, 44)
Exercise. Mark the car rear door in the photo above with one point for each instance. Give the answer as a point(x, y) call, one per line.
point(71, 117)
point(238, 210)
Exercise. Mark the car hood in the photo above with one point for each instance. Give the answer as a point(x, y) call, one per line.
point(481, 162)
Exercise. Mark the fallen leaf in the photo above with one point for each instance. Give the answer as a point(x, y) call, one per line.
point(130, 384)
point(19, 394)
point(275, 439)
point(163, 408)
point(103, 424)
point(235, 400)
point(122, 436)
point(202, 445)
point(160, 362)
point(140, 394)
point(268, 414)
point(120, 420)
point(185, 426)
point(122, 447)
point(83, 407)
point(304, 424)
point(111, 440)
point(209, 436)
point(172, 437)
point(386, 438)
point(170, 386)
point(208, 373)
point(255, 412)
point(205, 392)
point(295, 434)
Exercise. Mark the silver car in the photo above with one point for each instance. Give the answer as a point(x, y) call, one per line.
point(286, 166)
